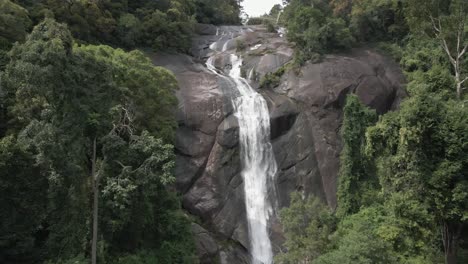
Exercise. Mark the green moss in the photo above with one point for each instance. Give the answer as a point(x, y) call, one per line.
point(272, 80)
point(391, 49)
point(240, 45)
point(255, 21)
point(270, 27)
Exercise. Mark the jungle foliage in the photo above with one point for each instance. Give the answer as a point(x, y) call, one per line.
point(77, 113)
point(403, 178)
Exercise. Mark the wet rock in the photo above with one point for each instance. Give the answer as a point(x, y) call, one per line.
point(321, 89)
point(283, 113)
point(193, 143)
point(297, 164)
point(205, 29)
point(228, 132)
point(188, 171)
point(305, 116)
point(234, 255)
point(207, 246)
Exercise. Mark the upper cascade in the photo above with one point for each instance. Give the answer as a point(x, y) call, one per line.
point(235, 178)
point(258, 162)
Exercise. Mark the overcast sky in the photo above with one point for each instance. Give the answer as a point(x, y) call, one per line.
point(259, 7)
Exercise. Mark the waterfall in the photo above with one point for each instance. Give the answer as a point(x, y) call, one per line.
point(258, 161)
point(259, 165)
point(251, 74)
point(225, 46)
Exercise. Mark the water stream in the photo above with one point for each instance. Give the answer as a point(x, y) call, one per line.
point(258, 161)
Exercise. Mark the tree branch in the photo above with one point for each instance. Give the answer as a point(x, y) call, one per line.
point(463, 51)
point(125, 122)
point(438, 31)
point(434, 24)
point(466, 79)
point(447, 50)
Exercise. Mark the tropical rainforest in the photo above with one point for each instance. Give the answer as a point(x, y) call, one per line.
point(87, 126)
point(403, 178)
point(87, 131)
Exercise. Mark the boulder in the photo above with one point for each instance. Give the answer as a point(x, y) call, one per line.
point(306, 111)
point(207, 246)
point(320, 91)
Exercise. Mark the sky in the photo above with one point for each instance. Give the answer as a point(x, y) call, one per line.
point(259, 7)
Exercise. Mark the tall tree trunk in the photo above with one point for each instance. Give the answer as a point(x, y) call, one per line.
point(451, 257)
point(459, 85)
point(456, 54)
point(95, 183)
point(450, 236)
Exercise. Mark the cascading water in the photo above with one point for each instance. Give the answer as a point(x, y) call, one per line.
point(259, 164)
point(258, 161)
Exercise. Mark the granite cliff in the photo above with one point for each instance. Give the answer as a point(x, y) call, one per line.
point(305, 113)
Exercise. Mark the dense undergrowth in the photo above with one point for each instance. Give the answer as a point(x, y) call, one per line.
point(403, 180)
point(83, 116)
point(79, 109)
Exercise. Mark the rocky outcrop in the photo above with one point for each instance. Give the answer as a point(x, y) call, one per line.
point(306, 114)
point(319, 91)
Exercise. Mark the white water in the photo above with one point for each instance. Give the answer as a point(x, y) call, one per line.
point(251, 74)
point(225, 46)
point(256, 47)
point(258, 161)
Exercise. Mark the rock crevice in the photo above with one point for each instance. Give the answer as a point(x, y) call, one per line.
point(305, 113)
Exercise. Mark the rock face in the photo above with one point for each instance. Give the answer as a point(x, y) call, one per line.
point(320, 91)
point(306, 114)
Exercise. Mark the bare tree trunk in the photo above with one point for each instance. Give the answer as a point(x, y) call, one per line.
point(95, 183)
point(451, 258)
point(456, 55)
point(459, 85)
point(450, 236)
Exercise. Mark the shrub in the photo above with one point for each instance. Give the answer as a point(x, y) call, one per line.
point(391, 49)
point(240, 45)
point(270, 27)
point(255, 21)
point(272, 80)
point(314, 33)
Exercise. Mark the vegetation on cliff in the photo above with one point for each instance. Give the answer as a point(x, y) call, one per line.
point(86, 129)
point(403, 181)
point(87, 122)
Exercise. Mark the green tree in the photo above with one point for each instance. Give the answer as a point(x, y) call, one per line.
point(80, 111)
point(171, 30)
point(14, 24)
point(341, 8)
point(129, 30)
point(61, 103)
point(377, 20)
point(163, 25)
point(307, 225)
point(23, 193)
point(14, 21)
point(422, 151)
point(356, 241)
point(218, 12)
point(139, 212)
point(314, 30)
point(275, 10)
point(149, 91)
point(446, 21)
point(356, 176)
